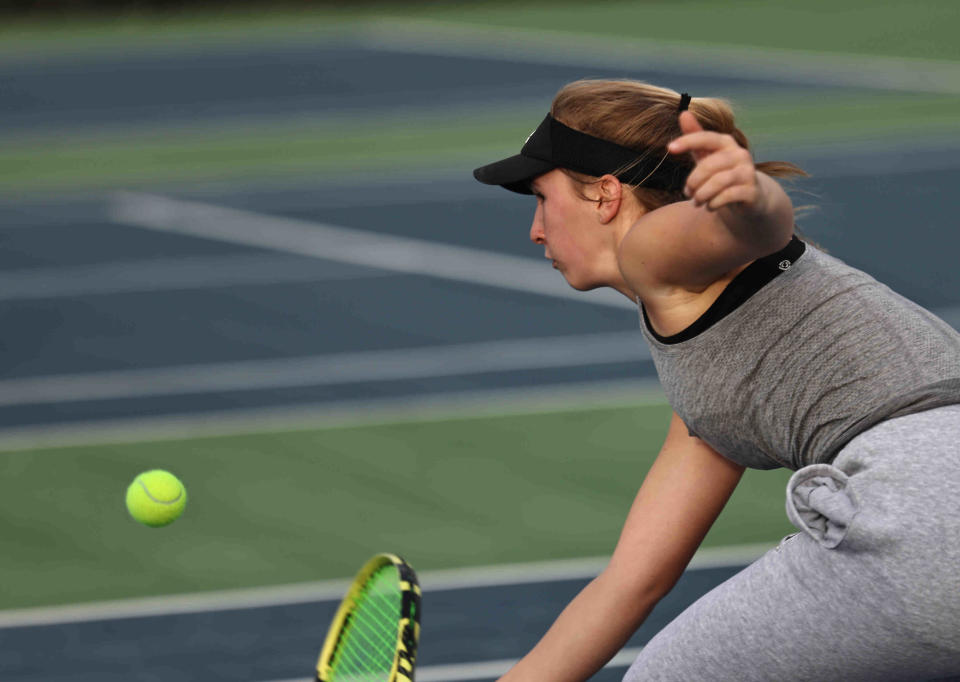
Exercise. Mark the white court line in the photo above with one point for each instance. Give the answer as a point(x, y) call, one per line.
point(356, 247)
point(476, 404)
point(332, 590)
point(331, 368)
point(424, 36)
point(463, 672)
point(171, 274)
point(340, 368)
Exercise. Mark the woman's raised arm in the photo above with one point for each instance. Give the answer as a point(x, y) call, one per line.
point(681, 496)
point(735, 215)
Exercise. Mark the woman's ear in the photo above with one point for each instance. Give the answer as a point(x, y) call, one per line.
point(609, 198)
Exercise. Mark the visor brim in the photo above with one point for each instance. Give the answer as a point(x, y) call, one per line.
point(514, 173)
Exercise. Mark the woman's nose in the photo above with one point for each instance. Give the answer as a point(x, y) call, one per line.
point(536, 229)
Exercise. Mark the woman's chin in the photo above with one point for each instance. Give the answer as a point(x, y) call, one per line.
point(577, 280)
point(581, 284)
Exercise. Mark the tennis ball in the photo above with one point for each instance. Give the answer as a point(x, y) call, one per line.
point(156, 498)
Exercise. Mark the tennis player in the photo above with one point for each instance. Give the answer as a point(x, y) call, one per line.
point(772, 354)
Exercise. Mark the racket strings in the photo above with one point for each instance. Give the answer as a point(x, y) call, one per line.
point(367, 648)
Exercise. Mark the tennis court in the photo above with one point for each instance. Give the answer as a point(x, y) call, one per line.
point(269, 271)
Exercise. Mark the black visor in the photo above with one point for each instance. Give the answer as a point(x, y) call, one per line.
point(554, 145)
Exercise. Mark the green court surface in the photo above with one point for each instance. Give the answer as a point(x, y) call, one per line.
point(919, 28)
point(440, 137)
point(306, 505)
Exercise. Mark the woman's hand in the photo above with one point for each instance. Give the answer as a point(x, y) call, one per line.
point(724, 174)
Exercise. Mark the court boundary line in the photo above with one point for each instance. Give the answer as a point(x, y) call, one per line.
point(349, 245)
point(484, 670)
point(171, 274)
point(729, 556)
point(551, 46)
point(478, 403)
point(438, 407)
point(334, 368)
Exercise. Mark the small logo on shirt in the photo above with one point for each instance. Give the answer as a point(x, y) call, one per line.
point(785, 265)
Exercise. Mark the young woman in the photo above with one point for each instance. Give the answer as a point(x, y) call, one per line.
point(772, 354)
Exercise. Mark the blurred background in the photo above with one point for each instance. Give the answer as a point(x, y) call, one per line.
point(241, 241)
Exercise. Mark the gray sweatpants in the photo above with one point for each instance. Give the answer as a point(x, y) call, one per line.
point(869, 589)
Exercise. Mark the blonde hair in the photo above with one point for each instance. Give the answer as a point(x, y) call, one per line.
point(644, 117)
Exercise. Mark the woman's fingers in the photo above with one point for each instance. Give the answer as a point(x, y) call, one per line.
point(724, 172)
point(739, 194)
point(740, 177)
point(715, 163)
point(728, 171)
point(689, 123)
point(701, 143)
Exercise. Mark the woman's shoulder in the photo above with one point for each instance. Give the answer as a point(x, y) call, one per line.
point(681, 251)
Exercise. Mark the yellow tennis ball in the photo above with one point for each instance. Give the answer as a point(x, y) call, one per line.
point(156, 498)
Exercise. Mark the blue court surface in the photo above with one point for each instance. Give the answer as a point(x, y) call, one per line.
point(124, 307)
point(469, 633)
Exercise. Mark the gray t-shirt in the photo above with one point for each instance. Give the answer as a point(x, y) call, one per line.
point(819, 354)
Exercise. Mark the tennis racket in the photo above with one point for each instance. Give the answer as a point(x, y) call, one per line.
point(373, 637)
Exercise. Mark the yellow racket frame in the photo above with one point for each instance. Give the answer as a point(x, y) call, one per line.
point(408, 627)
